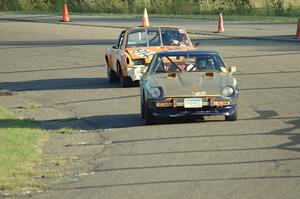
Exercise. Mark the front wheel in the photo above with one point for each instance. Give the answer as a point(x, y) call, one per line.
point(125, 81)
point(232, 117)
point(142, 110)
point(112, 75)
point(148, 116)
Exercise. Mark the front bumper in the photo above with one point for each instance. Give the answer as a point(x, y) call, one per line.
point(181, 111)
point(174, 107)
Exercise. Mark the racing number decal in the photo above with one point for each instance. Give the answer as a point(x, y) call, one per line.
point(143, 53)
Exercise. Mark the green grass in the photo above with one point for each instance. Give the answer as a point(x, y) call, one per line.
point(252, 18)
point(20, 148)
point(34, 106)
point(62, 131)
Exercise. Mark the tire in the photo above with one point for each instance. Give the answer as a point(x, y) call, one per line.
point(142, 110)
point(112, 75)
point(149, 117)
point(232, 117)
point(136, 83)
point(125, 81)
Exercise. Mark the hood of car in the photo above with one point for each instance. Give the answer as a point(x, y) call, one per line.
point(191, 83)
point(147, 52)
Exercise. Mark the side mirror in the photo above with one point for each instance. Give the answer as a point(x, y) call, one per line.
point(171, 75)
point(232, 69)
point(197, 43)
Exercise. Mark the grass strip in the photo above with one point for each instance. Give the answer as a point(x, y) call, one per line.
point(20, 148)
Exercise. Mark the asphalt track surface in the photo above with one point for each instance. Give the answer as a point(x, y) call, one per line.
point(61, 68)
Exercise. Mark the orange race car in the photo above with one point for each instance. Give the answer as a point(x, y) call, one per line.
point(135, 47)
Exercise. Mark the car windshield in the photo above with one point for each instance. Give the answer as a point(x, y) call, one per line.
point(187, 63)
point(157, 37)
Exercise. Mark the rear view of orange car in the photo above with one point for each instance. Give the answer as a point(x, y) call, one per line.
point(127, 60)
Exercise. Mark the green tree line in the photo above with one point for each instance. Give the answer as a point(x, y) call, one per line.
point(183, 7)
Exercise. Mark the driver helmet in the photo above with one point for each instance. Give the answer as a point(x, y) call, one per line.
point(201, 62)
point(168, 37)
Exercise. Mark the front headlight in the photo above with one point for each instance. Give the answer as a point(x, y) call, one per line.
point(155, 92)
point(227, 91)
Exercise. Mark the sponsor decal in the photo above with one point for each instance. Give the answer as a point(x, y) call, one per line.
point(234, 82)
point(108, 51)
point(120, 54)
point(181, 31)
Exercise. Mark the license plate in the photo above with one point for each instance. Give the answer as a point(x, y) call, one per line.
point(192, 102)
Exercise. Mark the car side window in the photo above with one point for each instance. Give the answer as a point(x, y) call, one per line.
point(120, 40)
point(137, 38)
point(219, 61)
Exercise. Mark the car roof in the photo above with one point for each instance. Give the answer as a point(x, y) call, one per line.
point(183, 52)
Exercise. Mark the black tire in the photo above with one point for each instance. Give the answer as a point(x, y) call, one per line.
point(142, 110)
point(125, 81)
point(149, 117)
point(232, 117)
point(136, 83)
point(112, 75)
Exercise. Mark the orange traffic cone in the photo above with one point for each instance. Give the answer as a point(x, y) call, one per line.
point(66, 17)
point(145, 22)
point(298, 30)
point(220, 26)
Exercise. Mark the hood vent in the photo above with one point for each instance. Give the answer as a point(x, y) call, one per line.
point(209, 74)
point(171, 75)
